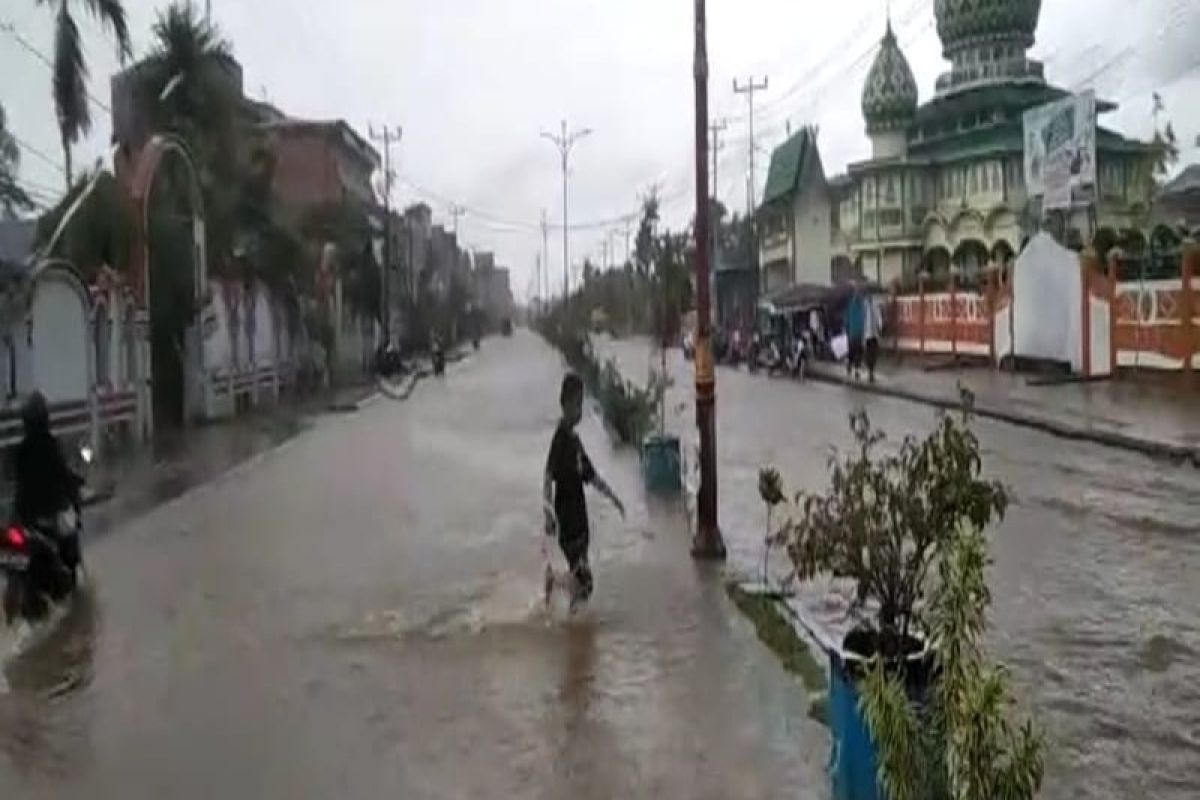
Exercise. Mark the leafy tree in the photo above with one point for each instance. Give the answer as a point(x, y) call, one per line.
point(100, 232)
point(906, 527)
point(12, 197)
point(1165, 149)
point(70, 71)
point(186, 83)
point(886, 519)
point(965, 746)
point(645, 244)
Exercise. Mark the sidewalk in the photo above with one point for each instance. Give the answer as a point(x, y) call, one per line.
point(1158, 420)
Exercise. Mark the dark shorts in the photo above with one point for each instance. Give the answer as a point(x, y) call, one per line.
point(855, 357)
point(574, 546)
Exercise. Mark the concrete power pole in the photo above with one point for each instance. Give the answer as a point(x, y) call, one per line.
point(708, 543)
point(456, 211)
point(565, 141)
point(715, 147)
point(388, 136)
point(749, 88)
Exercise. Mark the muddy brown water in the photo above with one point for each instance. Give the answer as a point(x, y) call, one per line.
point(357, 615)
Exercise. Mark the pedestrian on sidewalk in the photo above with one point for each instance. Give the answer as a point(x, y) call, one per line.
point(872, 327)
point(855, 328)
point(568, 468)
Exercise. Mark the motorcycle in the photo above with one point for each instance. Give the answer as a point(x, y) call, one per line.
point(41, 563)
point(797, 359)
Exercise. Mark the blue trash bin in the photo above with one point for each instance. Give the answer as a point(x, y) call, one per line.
point(661, 471)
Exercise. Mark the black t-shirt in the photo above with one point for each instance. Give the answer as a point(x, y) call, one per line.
point(570, 469)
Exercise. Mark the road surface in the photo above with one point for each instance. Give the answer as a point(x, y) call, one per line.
point(356, 615)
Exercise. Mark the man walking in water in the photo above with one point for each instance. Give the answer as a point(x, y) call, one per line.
point(568, 468)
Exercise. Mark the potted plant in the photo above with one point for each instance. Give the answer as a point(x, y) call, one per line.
point(889, 522)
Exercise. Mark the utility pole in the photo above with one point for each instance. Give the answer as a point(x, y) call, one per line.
point(456, 211)
point(708, 543)
point(565, 141)
point(716, 128)
point(546, 255)
point(388, 136)
point(749, 88)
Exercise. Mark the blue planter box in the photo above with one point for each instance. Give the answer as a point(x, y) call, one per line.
point(853, 763)
point(661, 470)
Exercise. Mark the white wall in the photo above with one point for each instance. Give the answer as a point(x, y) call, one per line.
point(60, 340)
point(814, 248)
point(264, 327)
point(218, 350)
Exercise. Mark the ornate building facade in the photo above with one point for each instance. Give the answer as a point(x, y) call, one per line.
point(945, 183)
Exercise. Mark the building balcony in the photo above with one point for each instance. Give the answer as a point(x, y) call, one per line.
point(776, 249)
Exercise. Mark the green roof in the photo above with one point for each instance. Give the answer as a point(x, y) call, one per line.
point(1014, 97)
point(1006, 137)
point(787, 165)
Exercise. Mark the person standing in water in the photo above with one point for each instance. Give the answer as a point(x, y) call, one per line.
point(568, 468)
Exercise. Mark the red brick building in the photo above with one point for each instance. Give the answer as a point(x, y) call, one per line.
point(319, 163)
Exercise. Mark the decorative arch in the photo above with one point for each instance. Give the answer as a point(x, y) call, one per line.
point(936, 260)
point(142, 186)
point(1132, 242)
point(967, 225)
point(1104, 240)
point(935, 233)
point(1002, 252)
point(970, 256)
point(58, 328)
point(1165, 237)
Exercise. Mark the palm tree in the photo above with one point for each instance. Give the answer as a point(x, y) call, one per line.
point(70, 69)
point(12, 197)
point(186, 82)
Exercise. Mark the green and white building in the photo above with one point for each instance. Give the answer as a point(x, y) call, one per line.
point(945, 184)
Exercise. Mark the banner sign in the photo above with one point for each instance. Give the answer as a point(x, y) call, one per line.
point(1060, 151)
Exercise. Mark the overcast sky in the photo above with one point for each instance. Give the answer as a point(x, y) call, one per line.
point(473, 82)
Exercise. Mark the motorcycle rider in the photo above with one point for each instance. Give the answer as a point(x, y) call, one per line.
point(46, 487)
point(45, 484)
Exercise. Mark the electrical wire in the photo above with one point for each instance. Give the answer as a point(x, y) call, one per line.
point(7, 27)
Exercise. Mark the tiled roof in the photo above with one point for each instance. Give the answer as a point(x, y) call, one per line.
point(787, 165)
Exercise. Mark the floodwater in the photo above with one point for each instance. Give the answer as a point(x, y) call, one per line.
point(357, 614)
point(1096, 581)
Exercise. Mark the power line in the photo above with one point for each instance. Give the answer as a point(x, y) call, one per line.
point(25, 44)
point(38, 153)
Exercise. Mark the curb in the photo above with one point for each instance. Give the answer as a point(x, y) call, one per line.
point(1166, 451)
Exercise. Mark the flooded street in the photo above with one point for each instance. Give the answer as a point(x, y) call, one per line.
point(357, 614)
point(1096, 603)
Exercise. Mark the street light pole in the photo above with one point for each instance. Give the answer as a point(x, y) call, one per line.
point(564, 141)
point(708, 543)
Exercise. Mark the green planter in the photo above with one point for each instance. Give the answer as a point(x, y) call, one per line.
point(661, 472)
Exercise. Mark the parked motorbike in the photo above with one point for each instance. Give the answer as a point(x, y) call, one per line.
point(797, 359)
point(41, 563)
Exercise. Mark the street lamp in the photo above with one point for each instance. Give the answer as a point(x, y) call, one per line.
point(564, 141)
